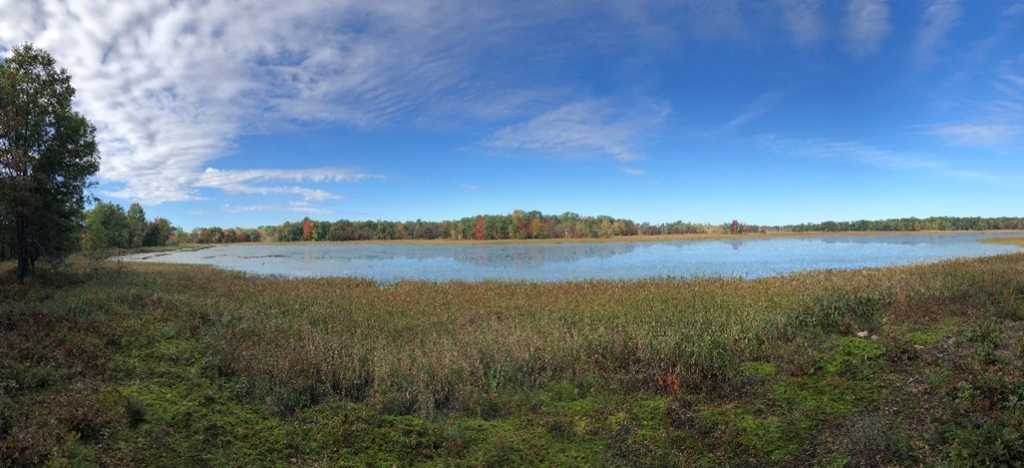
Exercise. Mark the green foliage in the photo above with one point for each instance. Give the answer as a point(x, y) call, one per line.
point(535, 225)
point(106, 227)
point(48, 153)
point(136, 225)
point(852, 355)
point(109, 226)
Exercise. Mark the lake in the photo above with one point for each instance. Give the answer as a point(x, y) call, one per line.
point(747, 258)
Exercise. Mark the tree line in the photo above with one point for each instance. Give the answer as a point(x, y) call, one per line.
point(517, 225)
point(536, 225)
point(110, 226)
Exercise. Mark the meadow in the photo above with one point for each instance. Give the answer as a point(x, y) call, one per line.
point(131, 364)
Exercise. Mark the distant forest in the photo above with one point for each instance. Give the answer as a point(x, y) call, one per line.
point(536, 225)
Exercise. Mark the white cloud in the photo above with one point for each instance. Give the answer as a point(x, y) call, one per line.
point(241, 181)
point(850, 151)
point(755, 108)
point(979, 134)
point(997, 122)
point(867, 24)
point(860, 153)
point(632, 171)
point(976, 176)
point(939, 19)
point(295, 207)
point(171, 85)
point(580, 130)
point(802, 19)
point(1014, 10)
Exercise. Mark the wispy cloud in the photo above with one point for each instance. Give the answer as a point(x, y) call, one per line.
point(939, 19)
point(867, 24)
point(580, 130)
point(997, 123)
point(171, 85)
point(988, 135)
point(293, 207)
point(632, 171)
point(244, 181)
point(755, 109)
point(803, 20)
point(856, 152)
point(849, 151)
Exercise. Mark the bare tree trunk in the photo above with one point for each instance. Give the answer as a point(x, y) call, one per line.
point(23, 249)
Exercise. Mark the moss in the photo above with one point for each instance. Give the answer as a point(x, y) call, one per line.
point(851, 354)
point(759, 369)
point(821, 398)
point(927, 333)
point(749, 438)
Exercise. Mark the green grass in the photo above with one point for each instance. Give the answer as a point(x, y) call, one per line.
point(125, 365)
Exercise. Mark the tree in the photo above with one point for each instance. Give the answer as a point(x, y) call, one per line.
point(106, 227)
point(479, 230)
point(158, 232)
point(136, 225)
point(48, 153)
point(307, 228)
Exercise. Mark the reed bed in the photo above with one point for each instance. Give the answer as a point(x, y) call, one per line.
point(422, 347)
point(123, 365)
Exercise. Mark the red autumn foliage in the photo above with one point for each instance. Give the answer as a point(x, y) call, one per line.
point(307, 228)
point(479, 233)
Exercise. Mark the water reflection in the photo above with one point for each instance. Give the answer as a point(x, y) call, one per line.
point(748, 258)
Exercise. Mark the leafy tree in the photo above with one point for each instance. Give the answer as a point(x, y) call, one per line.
point(307, 228)
point(106, 227)
point(478, 231)
point(48, 153)
point(159, 232)
point(136, 225)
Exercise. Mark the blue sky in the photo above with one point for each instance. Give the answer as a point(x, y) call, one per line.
point(253, 112)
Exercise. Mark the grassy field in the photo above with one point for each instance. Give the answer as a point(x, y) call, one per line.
point(179, 365)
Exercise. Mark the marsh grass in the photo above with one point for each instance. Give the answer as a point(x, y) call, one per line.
point(1018, 241)
point(205, 365)
point(420, 347)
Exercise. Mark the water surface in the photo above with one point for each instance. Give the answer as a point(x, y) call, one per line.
point(747, 258)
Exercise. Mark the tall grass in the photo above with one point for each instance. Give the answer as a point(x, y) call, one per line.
point(421, 347)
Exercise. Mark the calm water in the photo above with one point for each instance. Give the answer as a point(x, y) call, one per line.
point(558, 262)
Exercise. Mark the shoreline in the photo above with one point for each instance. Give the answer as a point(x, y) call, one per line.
point(617, 239)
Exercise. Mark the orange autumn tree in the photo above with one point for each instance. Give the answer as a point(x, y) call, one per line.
point(479, 233)
point(307, 228)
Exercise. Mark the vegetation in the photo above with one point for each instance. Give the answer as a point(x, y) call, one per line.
point(47, 154)
point(195, 366)
point(109, 226)
point(1018, 241)
point(536, 225)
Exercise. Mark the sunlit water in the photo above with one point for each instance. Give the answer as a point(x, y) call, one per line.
point(577, 261)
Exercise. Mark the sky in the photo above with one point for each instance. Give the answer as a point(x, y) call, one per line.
point(254, 112)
